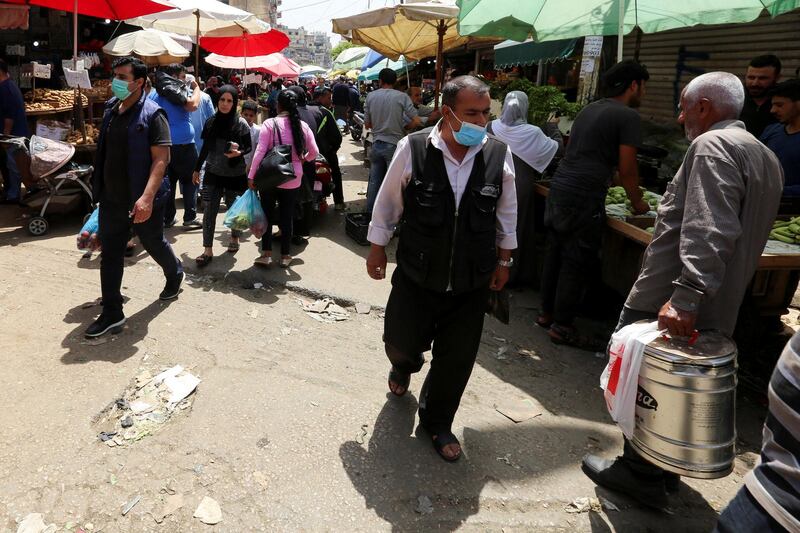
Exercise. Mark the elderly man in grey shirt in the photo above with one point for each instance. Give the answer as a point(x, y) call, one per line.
point(710, 232)
point(385, 113)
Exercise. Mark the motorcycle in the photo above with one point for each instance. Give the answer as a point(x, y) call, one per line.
point(356, 125)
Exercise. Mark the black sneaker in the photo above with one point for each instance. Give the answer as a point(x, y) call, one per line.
point(172, 288)
point(168, 224)
point(195, 223)
point(618, 476)
point(105, 324)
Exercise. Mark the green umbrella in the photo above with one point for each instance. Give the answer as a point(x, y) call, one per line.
point(400, 66)
point(547, 20)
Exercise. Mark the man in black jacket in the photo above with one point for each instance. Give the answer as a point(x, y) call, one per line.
point(132, 156)
point(329, 140)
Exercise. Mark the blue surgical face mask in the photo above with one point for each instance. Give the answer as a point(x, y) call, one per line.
point(120, 88)
point(469, 134)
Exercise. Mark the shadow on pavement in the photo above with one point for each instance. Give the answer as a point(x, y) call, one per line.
point(394, 468)
point(110, 348)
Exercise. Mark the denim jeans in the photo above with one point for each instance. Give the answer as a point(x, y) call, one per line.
point(181, 166)
point(14, 179)
point(114, 232)
point(745, 515)
point(379, 157)
point(214, 190)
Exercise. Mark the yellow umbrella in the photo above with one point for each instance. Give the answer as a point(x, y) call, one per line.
point(352, 74)
point(414, 30)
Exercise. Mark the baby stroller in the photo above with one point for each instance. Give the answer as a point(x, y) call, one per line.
point(58, 184)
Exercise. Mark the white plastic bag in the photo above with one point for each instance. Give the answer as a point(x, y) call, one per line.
point(620, 379)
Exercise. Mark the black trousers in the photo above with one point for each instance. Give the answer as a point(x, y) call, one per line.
point(417, 318)
point(336, 175)
point(284, 215)
point(114, 231)
point(574, 227)
point(214, 189)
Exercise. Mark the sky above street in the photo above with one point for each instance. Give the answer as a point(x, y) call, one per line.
point(316, 15)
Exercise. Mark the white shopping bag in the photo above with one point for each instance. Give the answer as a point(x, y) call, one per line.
point(620, 379)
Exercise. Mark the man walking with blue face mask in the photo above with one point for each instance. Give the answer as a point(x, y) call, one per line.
point(452, 187)
point(129, 182)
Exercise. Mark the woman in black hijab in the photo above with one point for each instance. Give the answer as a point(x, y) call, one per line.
point(226, 139)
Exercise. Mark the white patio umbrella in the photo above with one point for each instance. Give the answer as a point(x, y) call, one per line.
point(312, 70)
point(414, 30)
point(208, 18)
point(155, 47)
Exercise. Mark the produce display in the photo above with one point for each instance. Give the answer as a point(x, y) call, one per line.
point(101, 90)
point(619, 206)
point(76, 137)
point(787, 231)
point(50, 99)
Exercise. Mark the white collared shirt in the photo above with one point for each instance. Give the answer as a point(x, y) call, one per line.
point(388, 207)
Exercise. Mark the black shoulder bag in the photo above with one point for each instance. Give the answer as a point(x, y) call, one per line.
point(276, 168)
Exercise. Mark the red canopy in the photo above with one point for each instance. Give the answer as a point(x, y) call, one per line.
point(247, 44)
point(107, 9)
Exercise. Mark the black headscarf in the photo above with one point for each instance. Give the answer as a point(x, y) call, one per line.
point(223, 124)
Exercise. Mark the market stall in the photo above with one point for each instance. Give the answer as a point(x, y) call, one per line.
point(626, 239)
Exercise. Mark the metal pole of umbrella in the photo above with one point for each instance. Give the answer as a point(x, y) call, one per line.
point(441, 30)
point(620, 29)
point(76, 91)
point(197, 47)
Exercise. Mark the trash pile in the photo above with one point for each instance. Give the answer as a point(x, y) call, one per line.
point(144, 408)
point(324, 310)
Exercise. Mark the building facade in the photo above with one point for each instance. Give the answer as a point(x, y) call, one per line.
point(266, 10)
point(308, 48)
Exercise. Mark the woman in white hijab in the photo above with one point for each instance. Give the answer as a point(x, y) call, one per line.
point(533, 151)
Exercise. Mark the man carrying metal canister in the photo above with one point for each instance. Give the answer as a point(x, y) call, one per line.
point(711, 229)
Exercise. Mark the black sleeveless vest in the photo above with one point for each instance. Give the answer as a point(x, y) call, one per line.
point(443, 246)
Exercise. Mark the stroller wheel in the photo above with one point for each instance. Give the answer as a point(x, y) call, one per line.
point(38, 226)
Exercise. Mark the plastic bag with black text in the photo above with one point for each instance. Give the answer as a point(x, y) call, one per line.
point(620, 379)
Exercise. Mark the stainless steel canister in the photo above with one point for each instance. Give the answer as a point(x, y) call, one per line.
point(686, 406)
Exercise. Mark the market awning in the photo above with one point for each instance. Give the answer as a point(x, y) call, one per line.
point(13, 17)
point(511, 53)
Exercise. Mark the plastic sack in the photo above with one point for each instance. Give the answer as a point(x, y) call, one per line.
point(87, 237)
point(246, 213)
point(620, 379)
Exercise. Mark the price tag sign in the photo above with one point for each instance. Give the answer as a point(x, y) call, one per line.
point(70, 64)
point(593, 46)
point(587, 66)
point(41, 71)
point(15, 50)
point(77, 78)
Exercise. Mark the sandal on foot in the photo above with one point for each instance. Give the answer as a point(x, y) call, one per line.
point(400, 380)
point(233, 247)
point(203, 260)
point(570, 337)
point(286, 261)
point(543, 321)
point(442, 439)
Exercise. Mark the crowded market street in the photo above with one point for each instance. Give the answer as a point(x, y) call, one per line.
point(291, 427)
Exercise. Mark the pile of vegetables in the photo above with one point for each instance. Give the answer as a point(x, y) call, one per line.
point(618, 204)
point(787, 231)
point(240, 222)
